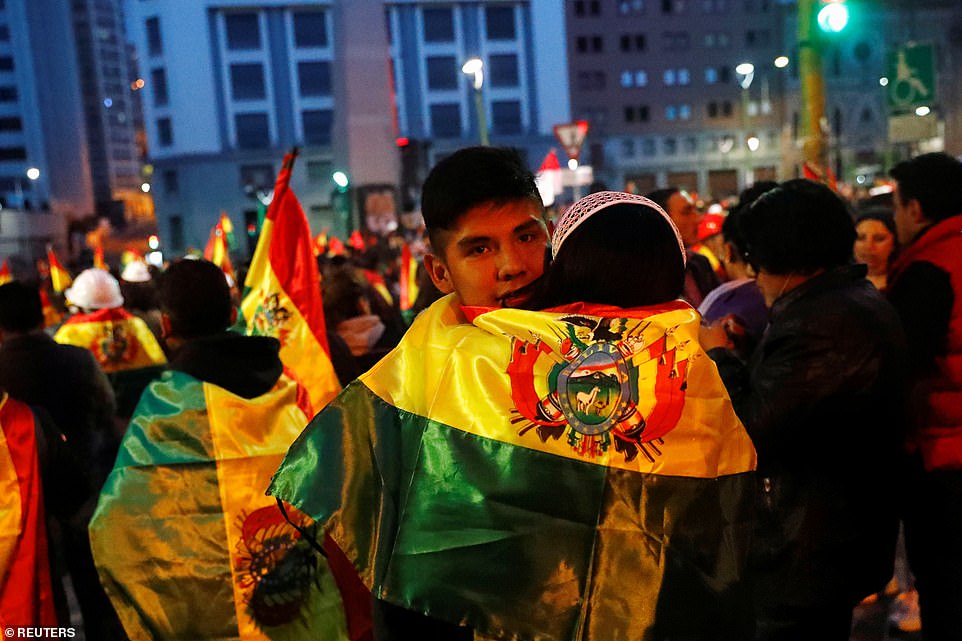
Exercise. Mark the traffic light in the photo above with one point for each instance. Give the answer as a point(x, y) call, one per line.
point(832, 16)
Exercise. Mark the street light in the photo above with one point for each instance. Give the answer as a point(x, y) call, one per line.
point(475, 67)
point(781, 62)
point(746, 71)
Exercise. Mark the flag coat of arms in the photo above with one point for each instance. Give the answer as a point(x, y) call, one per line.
point(577, 473)
point(26, 596)
point(118, 339)
point(283, 295)
point(187, 544)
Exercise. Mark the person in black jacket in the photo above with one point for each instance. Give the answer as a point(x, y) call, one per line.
point(822, 400)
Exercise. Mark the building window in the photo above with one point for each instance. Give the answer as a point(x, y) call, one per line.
point(314, 78)
point(668, 77)
point(13, 153)
point(628, 148)
point(506, 116)
point(726, 108)
point(4, 33)
point(684, 112)
point(252, 131)
point(11, 123)
point(675, 40)
point(442, 72)
point(684, 77)
point(711, 75)
point(504, 70)
point(158, 86)
point(671, 112)
point(247, 81)
point(632, 42)
point(591, 80)
point(446, 120)
point(641, 78)
point(670, 145)
point(319, 172)
point(648, 147)
point(597, 44)
point(499, 23)
point(170, 181)
point(165, 134)
point(317, 126)
point(627, 79)
point(258, 176)
point(438, 25)
point(8, 94)
point(581, 44)
point(579, 7)
point(155, 45)
point(757, 38)
point(631, 6)
point(6, 63)
point(176, 231)
point(243, 31)
point(310, 29)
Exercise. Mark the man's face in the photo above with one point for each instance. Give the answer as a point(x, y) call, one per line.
point(908, 217)
point(491, 254)
point(682, 212)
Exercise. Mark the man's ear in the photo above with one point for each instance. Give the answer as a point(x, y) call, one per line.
point(165, 331)
point(439, 273)
point(916, 215)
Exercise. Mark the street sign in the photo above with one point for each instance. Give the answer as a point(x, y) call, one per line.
point(571, 135)
point(912, 128)
point(911, 77)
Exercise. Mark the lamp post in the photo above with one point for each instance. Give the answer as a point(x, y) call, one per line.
point(746, 71)
point(475, 67)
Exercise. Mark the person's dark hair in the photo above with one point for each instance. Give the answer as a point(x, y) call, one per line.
point(195, 296)
point(661, 196)
point(20, 307)
point(343, 294)
point(140, 297)
point(626, 255)
point(799, 227)
point(935, 180)
point(747, 196)
point(887, 218)
point(470, 177)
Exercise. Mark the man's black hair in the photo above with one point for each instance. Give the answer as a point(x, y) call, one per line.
point(195, 296)
point(471, 177)
point(798, 228)
point(619, 256)
point(730, 230)
point(935, 180)
point(661, 196)
point(20, 307)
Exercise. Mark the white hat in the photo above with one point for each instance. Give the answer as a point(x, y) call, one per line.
point(135, 272)
point(592, 204)
point(95, 289)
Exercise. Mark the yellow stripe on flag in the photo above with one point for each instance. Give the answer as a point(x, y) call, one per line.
point(10, 514)
point(247, 452)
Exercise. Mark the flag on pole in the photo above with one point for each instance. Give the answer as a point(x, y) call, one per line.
point(228, 228)
point(5, 275)
point(59, 277)
point(217, 250)
point(600, 487)
point(320, 243)
point(99, 261)
point(409, 278)
point(283, 294)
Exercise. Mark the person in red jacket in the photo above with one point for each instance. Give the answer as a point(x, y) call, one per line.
point(925, 286)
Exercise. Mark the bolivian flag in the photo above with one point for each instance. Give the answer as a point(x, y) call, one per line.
point(118, 339)
point(577, 473)
point(26, 597)
point(59, 277)
point(283, 294)
point(217, 250)
point(186, 543)
point(409, 278)
point(5, 276)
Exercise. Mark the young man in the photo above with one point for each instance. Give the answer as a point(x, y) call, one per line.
point(925, 285)
point(489, 245)
point(186, 544)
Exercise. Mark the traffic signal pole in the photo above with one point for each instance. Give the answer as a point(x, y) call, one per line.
point(814, 146)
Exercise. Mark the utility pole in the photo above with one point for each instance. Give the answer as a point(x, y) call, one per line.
point(813, 89)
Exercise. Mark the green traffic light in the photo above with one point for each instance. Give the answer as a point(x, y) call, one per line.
point(832, 17)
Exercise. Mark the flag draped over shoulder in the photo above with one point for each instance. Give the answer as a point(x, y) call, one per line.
point(26, 597)
point(571, 474)
point(283, 294)
point(118, 339)
point(186, 543)
point(59, 277)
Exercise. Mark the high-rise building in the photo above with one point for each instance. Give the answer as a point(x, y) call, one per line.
point(358, 86)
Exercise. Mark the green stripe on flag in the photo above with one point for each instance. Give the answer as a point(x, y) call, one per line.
point(510, 539)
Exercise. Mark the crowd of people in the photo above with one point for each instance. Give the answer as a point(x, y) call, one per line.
point(632, 421)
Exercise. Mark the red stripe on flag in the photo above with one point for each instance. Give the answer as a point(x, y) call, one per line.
point(290, 254)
